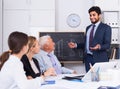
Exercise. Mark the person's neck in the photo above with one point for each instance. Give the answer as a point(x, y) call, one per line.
point(48, 51)
point(19, 55)
point(96, 22)
point(30, 55)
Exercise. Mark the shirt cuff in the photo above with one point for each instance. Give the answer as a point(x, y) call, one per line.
point(75, 45)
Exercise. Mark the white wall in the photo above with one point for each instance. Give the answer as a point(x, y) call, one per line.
point(67, 7)
point(0, 26)
point(112, 6)
point(29, 16)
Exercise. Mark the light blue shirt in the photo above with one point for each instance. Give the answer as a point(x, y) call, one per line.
point(88, 35)
point(45, 62)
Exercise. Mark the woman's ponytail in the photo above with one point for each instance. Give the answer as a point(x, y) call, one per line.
point(4, 57)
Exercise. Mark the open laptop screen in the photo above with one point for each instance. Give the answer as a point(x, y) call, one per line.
point(102, 66)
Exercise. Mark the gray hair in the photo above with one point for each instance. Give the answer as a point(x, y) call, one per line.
point(44, 40)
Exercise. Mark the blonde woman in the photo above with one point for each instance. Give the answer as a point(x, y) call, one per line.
point(31, 65)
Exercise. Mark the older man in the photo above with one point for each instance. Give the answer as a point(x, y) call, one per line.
point(47, 59)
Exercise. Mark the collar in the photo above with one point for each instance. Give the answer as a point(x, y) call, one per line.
point(46, 53)
point(96, 24)
point(43, 52)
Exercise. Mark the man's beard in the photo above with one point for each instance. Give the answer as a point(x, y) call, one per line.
point(95, 22)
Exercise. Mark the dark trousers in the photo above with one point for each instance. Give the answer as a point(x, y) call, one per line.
point(88, 59)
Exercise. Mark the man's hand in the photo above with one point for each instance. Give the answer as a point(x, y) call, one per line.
point(29, 77)
point(50, 72)
point(74, 72)
point(97, 47)
point(71, 45)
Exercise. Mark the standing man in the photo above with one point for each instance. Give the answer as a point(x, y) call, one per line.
point(97, 39)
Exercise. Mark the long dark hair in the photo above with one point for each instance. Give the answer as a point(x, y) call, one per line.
point(16, 41)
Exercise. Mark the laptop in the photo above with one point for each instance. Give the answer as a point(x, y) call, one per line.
point(102, 67)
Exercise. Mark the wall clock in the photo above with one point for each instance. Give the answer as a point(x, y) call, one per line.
point(73, 20)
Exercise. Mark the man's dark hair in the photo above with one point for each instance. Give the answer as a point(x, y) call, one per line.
point(96, 9)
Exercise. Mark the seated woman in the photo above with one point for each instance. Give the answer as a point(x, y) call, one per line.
point(12, 74)
point(30, 64)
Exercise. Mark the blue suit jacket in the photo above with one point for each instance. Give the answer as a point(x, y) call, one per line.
point(102, 37)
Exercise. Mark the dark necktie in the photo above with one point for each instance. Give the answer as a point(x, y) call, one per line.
point(54, 64)
point(91, 36)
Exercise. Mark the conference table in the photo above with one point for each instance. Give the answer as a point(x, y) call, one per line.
point(68, 84)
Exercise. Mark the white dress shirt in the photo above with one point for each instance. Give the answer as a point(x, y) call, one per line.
point(45, 62)
point(12, 76)
point(35, 69)
point(88, 35)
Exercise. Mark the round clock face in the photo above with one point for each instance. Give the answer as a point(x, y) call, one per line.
point(73, 20)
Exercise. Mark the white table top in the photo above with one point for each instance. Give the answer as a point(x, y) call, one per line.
point(65, 84)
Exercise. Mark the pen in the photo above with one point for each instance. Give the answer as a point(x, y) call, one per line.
point(98, 69)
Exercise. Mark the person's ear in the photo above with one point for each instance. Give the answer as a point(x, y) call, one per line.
point(31, 49)
point(100, 15)
point(24, 49)
point(46, 47)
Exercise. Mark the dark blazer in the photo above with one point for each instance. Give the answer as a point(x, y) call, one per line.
point(102, 37)
point(27, 67)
